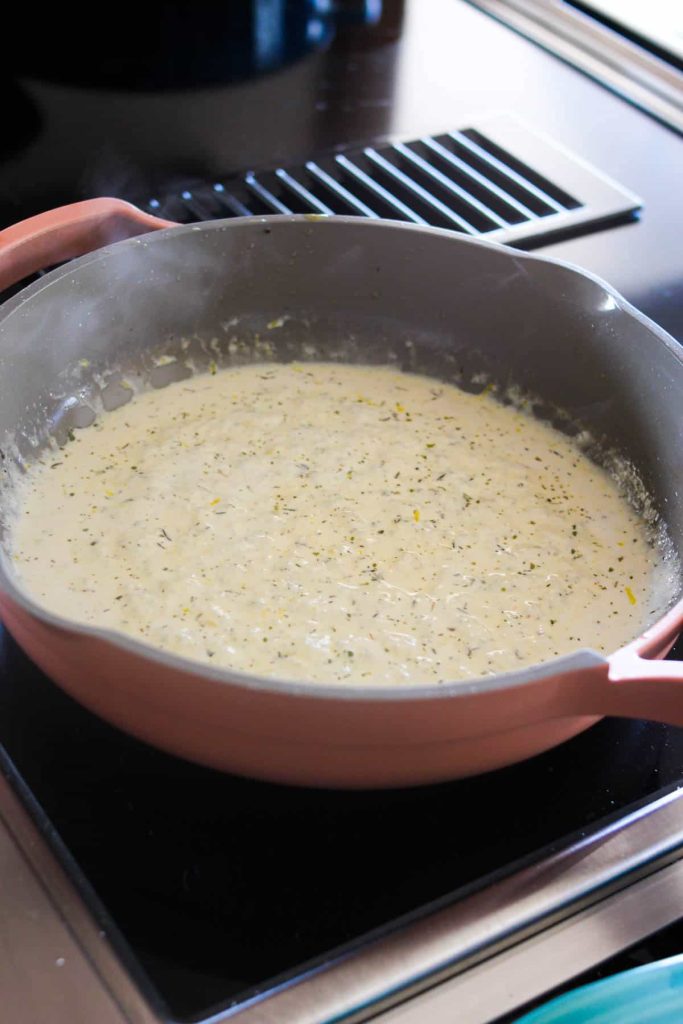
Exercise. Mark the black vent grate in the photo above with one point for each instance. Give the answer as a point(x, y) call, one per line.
point(498, 180)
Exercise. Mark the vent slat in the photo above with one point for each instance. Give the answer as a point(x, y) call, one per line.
point(450, 186)
point(393, 202)
point(199, 205)
point(316, 204)
point(419, 192)
point(474, 175)
point(527, 169)
point(237, 208)
point(264, 194)
point(338, 189)
point(506, 171)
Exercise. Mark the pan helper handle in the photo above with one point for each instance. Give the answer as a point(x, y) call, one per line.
point(638, 687)
point(69, 231)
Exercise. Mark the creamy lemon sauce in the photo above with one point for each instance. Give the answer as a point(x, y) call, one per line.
point(336, 523)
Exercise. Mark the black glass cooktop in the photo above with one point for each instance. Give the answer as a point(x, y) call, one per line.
point(219, 884)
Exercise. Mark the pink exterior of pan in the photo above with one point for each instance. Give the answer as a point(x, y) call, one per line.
point(330, 736)
point(322, 736)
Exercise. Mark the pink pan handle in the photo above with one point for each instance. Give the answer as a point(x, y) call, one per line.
point(67, 232)
point(636, 683)
point(640, 687)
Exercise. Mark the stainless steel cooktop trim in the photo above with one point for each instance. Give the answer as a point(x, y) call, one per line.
point(383, 971)
point(621, 65)
point(52, 911)
point(532, 969)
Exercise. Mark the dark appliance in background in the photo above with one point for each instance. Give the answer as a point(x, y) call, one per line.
point(175, 93)
point(139, 888)
point(172, 47)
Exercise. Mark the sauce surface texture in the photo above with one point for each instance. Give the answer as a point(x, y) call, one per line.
point(334, 523)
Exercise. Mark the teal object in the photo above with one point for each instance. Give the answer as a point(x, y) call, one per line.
point(652, 994)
